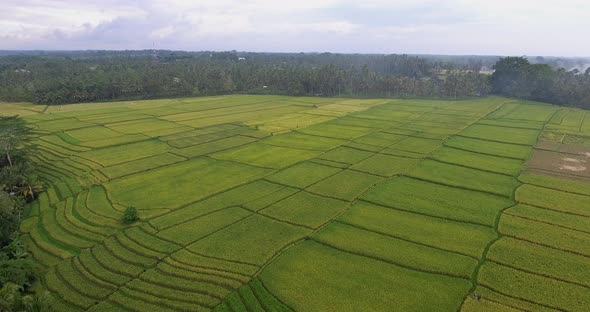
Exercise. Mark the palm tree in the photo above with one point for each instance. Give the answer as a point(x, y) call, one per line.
point(10, 297)
point(40, 302)
point(12, 300)
point(30, 186)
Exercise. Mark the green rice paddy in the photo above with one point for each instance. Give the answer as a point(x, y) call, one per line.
point(273, 203)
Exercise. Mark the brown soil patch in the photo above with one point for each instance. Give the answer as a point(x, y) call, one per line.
point(583, 150)
point(560, 163)
point(565, 176)
point(574, 160)
point(578, 149)
point(572, 168)
point(548, 145)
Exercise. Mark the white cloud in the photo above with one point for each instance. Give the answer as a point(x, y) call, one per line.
point(163, 32)
point(390, 26)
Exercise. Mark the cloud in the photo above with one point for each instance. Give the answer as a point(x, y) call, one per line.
point(375, 26)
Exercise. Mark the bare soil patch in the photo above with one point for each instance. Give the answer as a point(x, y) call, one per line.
point(565, 161)
point(583, 150)
point(548, 145)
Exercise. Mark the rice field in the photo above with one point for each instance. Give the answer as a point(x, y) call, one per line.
point(273, 203)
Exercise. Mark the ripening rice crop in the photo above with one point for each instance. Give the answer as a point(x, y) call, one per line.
point(275, 203)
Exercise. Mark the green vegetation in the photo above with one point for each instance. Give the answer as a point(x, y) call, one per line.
point(462, 238)
point(381, 139)
point(541, 260)
point(18, 185)
point(518, 124)
point(157, 188)
point(192, 230)
point(336, 131)
point(296, 276)
point(12, 299)
point(417, 145)
point(303, 141)
point(357, 183)
point(517, 77)
point(536, 288)
point(240, 241)
point(267, 156)
point(230, 198)
point(553, 199)
point(385, 165)
point(276, 203)
point(478, 161)
point(549, 216)
point(115, 155)
point(546, 234)
point(346, 155)
point(396, 251)
point(484, 305)
point(437, 200)
point(303, 175)
point(306, 209)
point(508, 303)
point(501, 134)
point(556, 183)
point(140, 165)
point(130, 215)
point(489, 147)
point(86, 76)
point(463, 177)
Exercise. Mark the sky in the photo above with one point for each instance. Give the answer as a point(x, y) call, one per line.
point(482, 27)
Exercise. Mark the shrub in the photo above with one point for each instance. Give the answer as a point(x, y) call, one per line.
point(130, 215)
point(9, 217)
point(12, 299)
point(15, 265)
point(18, 271)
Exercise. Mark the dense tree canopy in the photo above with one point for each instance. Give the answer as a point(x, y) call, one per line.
point(114, 76)
point(517, 77)
point(88, 76)
point(18, 184)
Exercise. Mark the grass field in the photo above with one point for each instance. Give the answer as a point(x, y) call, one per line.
point(273, 203)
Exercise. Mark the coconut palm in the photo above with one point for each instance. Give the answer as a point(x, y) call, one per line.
point(12, 300)
point(10, 297)
point(30, 186)
point(37, 303)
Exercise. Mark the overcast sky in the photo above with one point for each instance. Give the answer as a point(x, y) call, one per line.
point(496, 27)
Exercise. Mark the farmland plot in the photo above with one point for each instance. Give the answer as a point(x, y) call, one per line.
point(273, 203)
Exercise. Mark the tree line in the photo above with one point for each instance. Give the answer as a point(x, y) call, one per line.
point(90, 76)
point(517, 77)
point(18, 186)
point(73, 78)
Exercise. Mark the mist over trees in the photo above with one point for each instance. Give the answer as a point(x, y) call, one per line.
point(89, 76)
point(517, 77)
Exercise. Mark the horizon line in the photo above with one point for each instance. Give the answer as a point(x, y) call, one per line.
point(285, 52)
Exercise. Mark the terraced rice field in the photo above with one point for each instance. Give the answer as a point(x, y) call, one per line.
point(268, 203)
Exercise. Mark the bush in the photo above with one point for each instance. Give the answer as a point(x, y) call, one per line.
point(15, 265)
point(130, 215)
point(12, 299)
point(18, 271)
point(9, 217)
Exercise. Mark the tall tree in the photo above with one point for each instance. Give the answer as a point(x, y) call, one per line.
point(14, 135)
point(509, 75)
